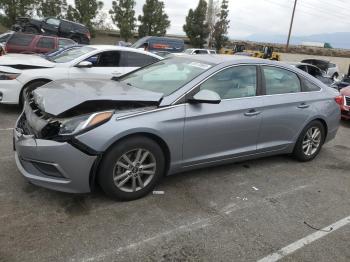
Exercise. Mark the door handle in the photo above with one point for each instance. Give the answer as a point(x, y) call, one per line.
point(252, 112)
point(303, 105)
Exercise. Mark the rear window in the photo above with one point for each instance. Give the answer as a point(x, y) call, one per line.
point(21, 39)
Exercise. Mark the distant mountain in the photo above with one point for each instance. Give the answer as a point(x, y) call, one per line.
point(337, 40)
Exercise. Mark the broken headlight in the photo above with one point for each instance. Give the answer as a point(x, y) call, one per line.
point(78, 124)
point(8, 76)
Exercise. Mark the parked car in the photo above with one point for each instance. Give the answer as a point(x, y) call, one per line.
point(330, 69)
point(315, 72)
point(59, 50)
point(5, 36)
point(54, 26)
point(344, 102)
point(27, 72)
point(197, 51)
point(34, 44)
point(155, 43)
point(181, 113)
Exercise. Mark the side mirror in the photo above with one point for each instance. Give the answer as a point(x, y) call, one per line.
point(84, 64)
point(205, 96)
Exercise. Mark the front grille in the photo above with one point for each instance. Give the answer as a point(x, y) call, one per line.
point(347, 100)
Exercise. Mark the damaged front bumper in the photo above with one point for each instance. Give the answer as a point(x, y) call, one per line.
point(51, 164)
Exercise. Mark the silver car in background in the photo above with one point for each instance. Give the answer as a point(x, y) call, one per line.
point(179, 114)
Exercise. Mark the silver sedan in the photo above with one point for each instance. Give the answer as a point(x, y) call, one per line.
point(179, 114)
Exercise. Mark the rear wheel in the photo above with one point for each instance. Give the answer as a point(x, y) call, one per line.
point(310, 141)
point(29, 88)
point(131, 168)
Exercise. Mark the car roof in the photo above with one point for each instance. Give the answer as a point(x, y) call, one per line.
point(220, 59)
point(123, 48)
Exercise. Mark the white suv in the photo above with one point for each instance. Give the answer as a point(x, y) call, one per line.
point(196, 51)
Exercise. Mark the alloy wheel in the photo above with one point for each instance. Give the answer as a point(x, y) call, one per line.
point(134, 170)
point(312, 141)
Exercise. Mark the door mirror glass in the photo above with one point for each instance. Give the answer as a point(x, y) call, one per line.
point(206, 96)
point(84, 64)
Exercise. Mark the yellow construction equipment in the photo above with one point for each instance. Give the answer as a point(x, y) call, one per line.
point(266, 52)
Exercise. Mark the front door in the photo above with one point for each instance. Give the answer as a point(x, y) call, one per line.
point(105, 65)
point(215, 132)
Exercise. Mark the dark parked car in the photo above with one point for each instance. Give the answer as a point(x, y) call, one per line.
point(54, 26)
point(330, 69)
point(155, 44)
point(29, 44)
point(315, 72)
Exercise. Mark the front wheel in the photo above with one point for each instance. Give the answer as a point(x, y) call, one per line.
point(132, 168)
point(310, 142)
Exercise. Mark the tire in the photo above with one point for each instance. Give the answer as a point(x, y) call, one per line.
point(30, 88)
point(31, 30)
point(307, 149)
point(115, 164)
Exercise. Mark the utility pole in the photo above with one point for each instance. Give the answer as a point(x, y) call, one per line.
point(291, 24)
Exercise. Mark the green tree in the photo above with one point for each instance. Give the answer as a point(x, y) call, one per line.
point(54, 8)
point(196, 27)
point(84, 11)
point(221, 26)
point(123, 15)
point(154, 20)
point(13, 9)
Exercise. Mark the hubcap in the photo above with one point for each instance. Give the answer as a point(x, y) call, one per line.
point(134, 170)
point(312, 141)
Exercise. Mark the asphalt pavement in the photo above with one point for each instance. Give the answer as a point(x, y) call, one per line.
point(239, 212)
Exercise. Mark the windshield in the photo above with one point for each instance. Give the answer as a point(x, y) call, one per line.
point(71, 54)
point(188, 51)
point(166, 76)
point(139, 43)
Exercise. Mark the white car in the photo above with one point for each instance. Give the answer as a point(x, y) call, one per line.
point(196, 51)
point(20, 72)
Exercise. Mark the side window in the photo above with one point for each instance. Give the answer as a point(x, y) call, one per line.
point(21, 39)
point(46, 42)
point(133, 59)
point(314, 71)
point(105, 59)
point(65, 42)
point(53, 21)
point(308, 86)
point(234, 82)
point(280, 81)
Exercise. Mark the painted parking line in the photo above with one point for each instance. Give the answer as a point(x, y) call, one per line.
point(305, 241)
point(6, 129)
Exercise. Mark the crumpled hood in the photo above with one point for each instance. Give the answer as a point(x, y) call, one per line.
point(25, 60)
point(56, 98)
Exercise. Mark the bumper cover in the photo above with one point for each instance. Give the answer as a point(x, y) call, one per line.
point(10, 91)
point(71, 167)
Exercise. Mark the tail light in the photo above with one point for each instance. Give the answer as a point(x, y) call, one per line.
point(88, 35)
point(339, 100)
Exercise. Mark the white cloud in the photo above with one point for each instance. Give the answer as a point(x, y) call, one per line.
point(266, 16)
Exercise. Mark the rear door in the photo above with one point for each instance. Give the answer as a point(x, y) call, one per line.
point(215, 132)
point(131, 61)
point(45, 44)
point(286, 109)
